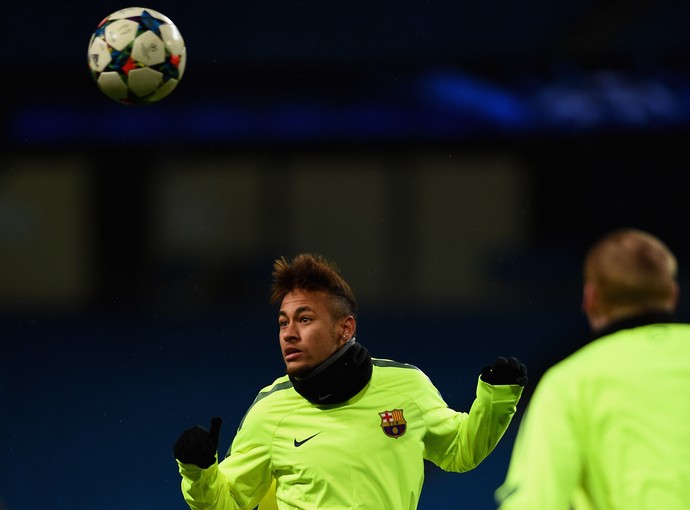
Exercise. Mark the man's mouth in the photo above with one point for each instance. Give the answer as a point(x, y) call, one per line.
point(291, 354)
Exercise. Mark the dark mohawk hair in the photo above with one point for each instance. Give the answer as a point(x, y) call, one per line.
point(311, 272)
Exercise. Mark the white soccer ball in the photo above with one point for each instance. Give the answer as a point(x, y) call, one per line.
point(137, 56)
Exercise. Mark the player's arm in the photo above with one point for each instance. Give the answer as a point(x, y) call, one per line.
point(206, 484)
point(459, 441)
point(196, 452)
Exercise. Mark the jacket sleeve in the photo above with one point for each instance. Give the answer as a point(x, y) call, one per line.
point(206, 488)
point(238, 482)
point(458, 441)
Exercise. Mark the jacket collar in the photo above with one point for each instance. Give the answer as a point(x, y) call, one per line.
point(655, 317)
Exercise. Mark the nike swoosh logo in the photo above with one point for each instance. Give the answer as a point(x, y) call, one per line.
point(300, 443)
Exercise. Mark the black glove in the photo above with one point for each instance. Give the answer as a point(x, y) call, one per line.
point(505, 371)
point(198, 446)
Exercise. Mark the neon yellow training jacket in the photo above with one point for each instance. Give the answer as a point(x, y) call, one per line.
point(366, 453)
point(608, 428)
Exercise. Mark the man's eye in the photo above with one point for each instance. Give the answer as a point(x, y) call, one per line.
point(282, 324)
point(305, 319)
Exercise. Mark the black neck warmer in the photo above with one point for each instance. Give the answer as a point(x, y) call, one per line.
point(337, 379)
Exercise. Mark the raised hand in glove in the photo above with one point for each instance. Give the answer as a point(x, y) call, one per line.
point(198, 446)
point(505, 371)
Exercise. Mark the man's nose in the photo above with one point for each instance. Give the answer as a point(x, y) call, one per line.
point(290, 332)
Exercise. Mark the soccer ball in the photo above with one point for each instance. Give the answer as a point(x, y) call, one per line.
point(137, 56)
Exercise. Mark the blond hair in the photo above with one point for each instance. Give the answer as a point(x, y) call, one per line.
point(633, 271)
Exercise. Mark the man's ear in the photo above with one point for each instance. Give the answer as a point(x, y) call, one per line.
point(676, 296)
point(347, 328)
point(589, 298)
point(591, 306)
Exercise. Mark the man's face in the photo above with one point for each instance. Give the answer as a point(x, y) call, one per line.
point(309, 333)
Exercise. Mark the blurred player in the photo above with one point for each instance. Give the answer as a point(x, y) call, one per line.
point(341, 430)
point(609, 426)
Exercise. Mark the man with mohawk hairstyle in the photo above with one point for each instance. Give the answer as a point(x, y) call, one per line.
point(340, 430)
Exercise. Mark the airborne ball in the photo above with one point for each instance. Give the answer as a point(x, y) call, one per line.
point(137, 56)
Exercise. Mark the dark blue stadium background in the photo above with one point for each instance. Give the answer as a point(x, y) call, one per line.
point(91, 407)
point(591, 97)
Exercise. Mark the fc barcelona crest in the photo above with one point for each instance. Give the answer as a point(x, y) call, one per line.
point(393, 423)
